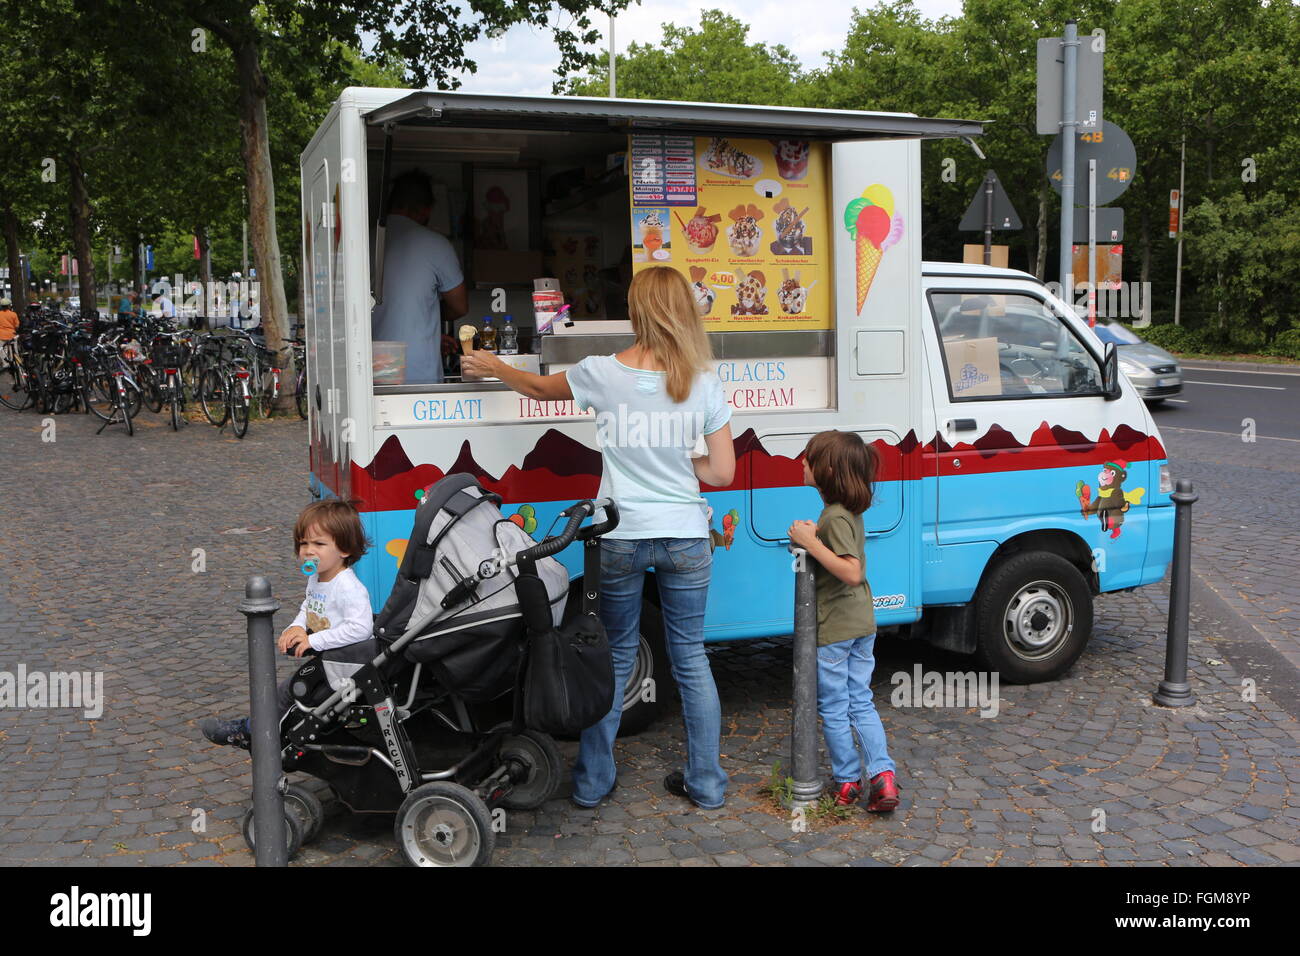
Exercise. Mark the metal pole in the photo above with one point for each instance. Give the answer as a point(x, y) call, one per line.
point(1092, 242)
point(268, 802)
point(807, 786)
point(988, 219)
point(1174, 690)
point(1178, 269)
point(1070, 49)
point(613, 89)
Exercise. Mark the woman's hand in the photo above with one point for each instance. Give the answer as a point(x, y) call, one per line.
point(803, 534)
point(481, 364)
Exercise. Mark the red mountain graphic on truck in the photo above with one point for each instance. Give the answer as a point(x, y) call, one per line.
point(560, 467)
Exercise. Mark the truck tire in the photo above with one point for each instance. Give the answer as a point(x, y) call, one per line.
point(1034, 617)
point(651, 683)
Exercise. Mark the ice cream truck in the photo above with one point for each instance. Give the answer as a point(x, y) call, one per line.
point(1020, 474)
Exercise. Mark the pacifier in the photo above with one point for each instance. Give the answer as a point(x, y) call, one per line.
point(308, 567)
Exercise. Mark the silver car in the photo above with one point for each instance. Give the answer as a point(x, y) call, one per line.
point(1154, 372)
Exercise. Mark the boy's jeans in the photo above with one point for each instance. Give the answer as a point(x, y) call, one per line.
point(845, 704)
point(682, 568)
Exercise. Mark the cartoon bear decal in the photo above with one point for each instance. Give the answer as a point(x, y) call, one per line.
point(1112, 500)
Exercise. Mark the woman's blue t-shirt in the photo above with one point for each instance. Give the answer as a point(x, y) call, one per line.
point(645, 439)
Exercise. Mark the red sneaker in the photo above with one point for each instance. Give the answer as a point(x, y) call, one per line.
point(884, 792)
point(847, 794)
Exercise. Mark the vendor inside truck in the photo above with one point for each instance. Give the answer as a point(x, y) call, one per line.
point(423, 283)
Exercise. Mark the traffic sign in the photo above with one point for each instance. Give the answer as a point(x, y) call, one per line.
point(1116, 160)
point(1003, 214)
point(1110, 225)
point(1087, 100)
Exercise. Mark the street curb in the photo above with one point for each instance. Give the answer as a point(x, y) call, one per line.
point(1248, 648)
point(1242, 366)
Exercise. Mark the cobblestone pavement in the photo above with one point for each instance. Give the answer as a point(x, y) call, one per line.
point(99, 535)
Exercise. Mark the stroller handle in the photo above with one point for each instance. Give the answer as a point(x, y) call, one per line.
point(575, 513)
point(606, 526)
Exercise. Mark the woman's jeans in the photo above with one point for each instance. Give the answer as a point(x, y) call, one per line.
point(845, 704)
point(682, 568)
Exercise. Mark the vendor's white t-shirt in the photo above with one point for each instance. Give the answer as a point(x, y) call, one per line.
point(645, 441)
point(337, 612)
point(419, 265)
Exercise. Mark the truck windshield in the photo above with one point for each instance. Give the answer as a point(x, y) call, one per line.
point(1010, 345)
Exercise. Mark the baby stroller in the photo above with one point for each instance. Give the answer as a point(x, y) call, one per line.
point(426, 718)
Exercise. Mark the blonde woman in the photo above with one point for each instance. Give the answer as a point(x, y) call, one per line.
point(652, 401)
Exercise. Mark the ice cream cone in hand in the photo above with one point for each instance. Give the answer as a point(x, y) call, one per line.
point(467, 333)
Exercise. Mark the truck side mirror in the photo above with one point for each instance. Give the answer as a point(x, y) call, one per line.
point(1110, 389)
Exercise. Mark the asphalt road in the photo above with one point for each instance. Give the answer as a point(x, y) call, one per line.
point(1219, 400)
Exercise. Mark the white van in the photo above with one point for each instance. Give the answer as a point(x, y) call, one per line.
point(1020, 473)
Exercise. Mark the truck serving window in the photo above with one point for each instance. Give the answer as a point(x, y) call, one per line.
point(1009, 345)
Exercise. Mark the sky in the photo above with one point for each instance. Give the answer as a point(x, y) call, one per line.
point(524, 59)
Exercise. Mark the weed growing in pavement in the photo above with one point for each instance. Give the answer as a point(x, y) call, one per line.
point(780, 788)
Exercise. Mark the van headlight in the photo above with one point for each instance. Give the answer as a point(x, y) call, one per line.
point(1166, 480)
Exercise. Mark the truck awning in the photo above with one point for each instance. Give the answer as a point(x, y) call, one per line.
point(580, 114)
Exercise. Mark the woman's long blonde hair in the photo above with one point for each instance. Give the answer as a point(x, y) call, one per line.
point(662, 308)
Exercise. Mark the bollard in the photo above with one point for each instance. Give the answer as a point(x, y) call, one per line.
point(807, 786)
point(1174, 690)
point(268, 802)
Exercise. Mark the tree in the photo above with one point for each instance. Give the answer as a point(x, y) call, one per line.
point(427, 35)
point(715, 63)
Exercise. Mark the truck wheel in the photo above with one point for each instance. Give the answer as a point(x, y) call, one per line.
point(1034, 617)
point(651, 682)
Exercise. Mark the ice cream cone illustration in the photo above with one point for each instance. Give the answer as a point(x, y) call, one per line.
point(868, 261)
point(873, 227)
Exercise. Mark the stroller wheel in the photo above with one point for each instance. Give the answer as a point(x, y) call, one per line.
point(537, 770)
point(311, 815)
point(444, 824)
point(292, 830)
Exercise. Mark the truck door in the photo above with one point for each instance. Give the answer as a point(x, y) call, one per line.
point(321, 385)
point(1022, 428)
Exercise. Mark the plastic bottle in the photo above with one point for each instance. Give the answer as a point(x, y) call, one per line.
point(489, 335)
point(509, 337)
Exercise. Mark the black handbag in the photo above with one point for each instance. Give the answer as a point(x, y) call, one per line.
point(569, 682)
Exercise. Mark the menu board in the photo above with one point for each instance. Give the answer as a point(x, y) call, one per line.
point(745, 221)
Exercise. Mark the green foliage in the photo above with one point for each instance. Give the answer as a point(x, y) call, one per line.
point(714, 64)
point(780, 788)
point(1248, 255)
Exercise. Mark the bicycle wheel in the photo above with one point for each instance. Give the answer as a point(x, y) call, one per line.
point(240, 400)
point(122, 393)
point(269, 392)
point(133, 396)
point(147, 379)
point(300, 395)
point(213, 387)
point(101, 395)
point(174, 400)
point(42, 398)
point(15, 392)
